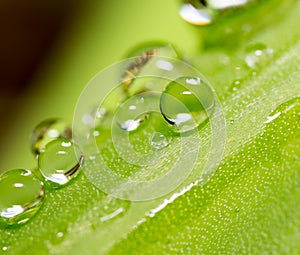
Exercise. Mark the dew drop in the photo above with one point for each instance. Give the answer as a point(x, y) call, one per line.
point(258, 55)
point(196, 14)
point(235, 85)
point(60, 234)
point(186, 103)
point(141, 60)
point(203, 13)
point(136, 65)
point(136, 110)
point(94, 117)
point(159, 141)
point(4, 248)
point(47, 131)
point(58, 162)
point(21, 196)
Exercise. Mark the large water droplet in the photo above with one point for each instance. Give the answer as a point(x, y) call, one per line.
point(186, 103)
point(21, 196)
point(47, 131)
point(258, 55)
point(159, 141)
point(58, 162)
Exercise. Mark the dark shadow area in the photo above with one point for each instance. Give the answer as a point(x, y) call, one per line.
point(29, 31)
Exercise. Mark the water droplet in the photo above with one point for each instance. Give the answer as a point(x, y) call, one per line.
point(142, 61)
point(21, 196)
point(258, 55)
point(137, 64)
point(47, 131)
point(60, 234)
point(94, 117)
point(202, 13)
point(235, 85)
point(159, 141)
point(186, 103)
point(196, 13)
point(58, 162)
point(4, 248)
point(136, 110)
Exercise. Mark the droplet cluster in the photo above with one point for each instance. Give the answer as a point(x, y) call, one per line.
point(22, 191)
point(183, 104)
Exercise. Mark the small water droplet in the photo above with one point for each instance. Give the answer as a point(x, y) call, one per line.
point(136, 110)
point(235, 85)
point(60, 234)
point(47, 131)
point(21, 196)
point(4, 248)
point(94, 117)
point(186, 102)
point(159, 141)
point(58, 162)
point(258, 55)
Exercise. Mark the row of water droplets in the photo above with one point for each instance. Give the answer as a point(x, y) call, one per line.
point(51, 141)
point(185, 104)
point(22, 190)
point(58, 157)
point(136, 96)
point(157, 101)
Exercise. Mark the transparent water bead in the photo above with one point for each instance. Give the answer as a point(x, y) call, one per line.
point(136, 110)
point(47, 131)
point(137, 64)
point(58, 162)
point(258, 55)
point(196, 13)
point(159, 141)
point(141, 60)
point(21, 196)
point(94, 117)
point(186, 103)
point(204, 12)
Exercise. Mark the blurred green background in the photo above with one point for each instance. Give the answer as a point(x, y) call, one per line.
point(50, 50)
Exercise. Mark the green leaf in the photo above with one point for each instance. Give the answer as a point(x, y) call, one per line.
point(251, 204)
